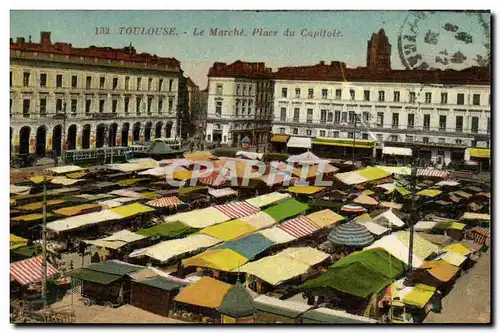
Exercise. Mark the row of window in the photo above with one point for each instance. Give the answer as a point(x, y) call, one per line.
point(42, 82)
point(476, 98)
point(243, 89)
point(364, 136)
point(349, 117)
point(60, 106)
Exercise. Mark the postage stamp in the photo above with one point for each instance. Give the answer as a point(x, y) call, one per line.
point(437, 40)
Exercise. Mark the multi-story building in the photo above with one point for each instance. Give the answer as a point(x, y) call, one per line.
point(441, 112)
point(96, 96)
point(189, 104)
point(240, 103)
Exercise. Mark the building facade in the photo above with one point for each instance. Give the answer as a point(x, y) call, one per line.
point(95, 96)
point(240, 103)
point(441, 112)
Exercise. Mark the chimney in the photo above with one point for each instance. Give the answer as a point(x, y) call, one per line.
point(20, 40)
point(45, 38)
point(29, 39)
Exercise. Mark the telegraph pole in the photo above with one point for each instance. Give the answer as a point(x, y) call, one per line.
point(44, 244)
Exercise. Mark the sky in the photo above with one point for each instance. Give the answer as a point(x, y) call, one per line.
point(350, 31)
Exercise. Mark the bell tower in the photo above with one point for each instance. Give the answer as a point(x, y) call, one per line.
point(379, 52)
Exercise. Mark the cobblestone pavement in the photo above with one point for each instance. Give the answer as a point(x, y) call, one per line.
point(126, 314)
point(469, 301)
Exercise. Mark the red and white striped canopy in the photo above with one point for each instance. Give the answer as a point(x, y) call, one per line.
point(165, 202)
point(432, 173)
point(214, 179)
point(298, 227)
point(30, 270)
point(236, 210)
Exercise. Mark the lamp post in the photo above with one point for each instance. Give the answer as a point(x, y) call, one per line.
point(44, 244)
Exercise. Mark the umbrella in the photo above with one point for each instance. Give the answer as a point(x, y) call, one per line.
point(351, 234)
point(353, 208)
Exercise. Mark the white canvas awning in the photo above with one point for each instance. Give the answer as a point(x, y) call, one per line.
point(397, 151)
point(65, 169)
point(250, 155)
point(297, 142)
point(83, 220)
point(168, 249)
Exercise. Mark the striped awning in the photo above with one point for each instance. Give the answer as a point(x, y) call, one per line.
point(214, 179)
point(165, 202)
point(432, 173)
point(353, 208)
point(236, 210)
point(30, 270)
point(300, 226)
point(480, 235)
point(351, 234)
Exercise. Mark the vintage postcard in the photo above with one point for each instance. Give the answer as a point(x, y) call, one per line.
point(239, 167)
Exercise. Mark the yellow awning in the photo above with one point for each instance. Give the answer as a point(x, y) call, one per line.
point(131, 210)
point(305, 189)
point(344, 143)
point(458, 248)
point(16, 242)
point(182, 175)
point(41, 179)
point(229, 230)
point(29, 217)
point(129, 182)
point(325, 218)
point(39, 205)
point(75, 210)
point(480, 152)
point(373, 173)
point(283, 138)
point(429, 193)
point(206, 292)
point(218, 259)
point(148, 195)
point(418, 297)
point(199, 156)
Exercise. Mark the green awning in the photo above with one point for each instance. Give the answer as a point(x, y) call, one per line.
point(161, 283)
point(94, 276)
point(192, 189)
point(360, 274)
point(115, 268)
point(286, 209)
point(344, 143)
point(171, 229)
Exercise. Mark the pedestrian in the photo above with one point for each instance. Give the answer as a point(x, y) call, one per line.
point(437, 305)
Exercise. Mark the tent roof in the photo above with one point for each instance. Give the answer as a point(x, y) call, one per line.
point(268, 199)
point(286, 209)
point(206, 292)
point(325, 218)
point(218, 259)
point(351, 234)
point(238, 302)
point(286, 308)
point(229, 230)
point(170, 229)
point(161, 283)
point(248, 246)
